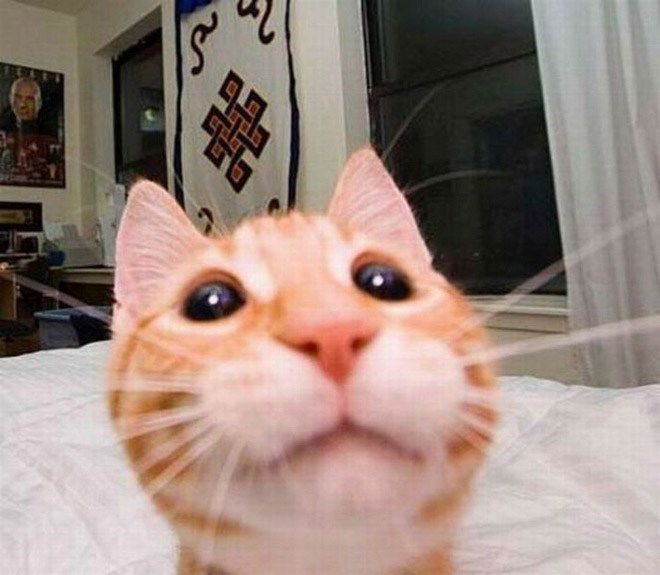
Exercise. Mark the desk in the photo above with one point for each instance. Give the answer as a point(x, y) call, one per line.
point(11, 310)
point(93, 286)
point(19, 299)
point(8, 284)
point(15, 256)
point(92, 276)
point(8, 308)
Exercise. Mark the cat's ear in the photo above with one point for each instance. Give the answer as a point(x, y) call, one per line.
point(154, 235)
point(366, 199)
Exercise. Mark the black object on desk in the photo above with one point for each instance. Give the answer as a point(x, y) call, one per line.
point(89, 328)
point(11, 329)
point(20, 217)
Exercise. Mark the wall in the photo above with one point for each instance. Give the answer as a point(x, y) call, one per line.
point(56, 51)
point(105, 29)
point(332, 92)
point(331, 86)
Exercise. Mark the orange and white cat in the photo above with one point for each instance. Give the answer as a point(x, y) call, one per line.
point(293, 396)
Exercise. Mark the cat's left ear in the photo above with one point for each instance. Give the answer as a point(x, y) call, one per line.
point(154, 236)
point(367, 200)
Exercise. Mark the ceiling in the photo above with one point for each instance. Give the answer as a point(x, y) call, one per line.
point(66, 6)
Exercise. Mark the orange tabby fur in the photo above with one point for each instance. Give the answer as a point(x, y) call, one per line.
point(296, 272)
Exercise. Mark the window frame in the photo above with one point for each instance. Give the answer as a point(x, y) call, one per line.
point(378, 90)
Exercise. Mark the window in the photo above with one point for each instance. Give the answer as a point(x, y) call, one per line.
point(474, 161)
point(140, 112)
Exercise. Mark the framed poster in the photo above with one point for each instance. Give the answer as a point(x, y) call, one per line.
point(31, 127)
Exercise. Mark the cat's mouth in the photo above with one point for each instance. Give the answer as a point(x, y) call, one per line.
point(344, 433)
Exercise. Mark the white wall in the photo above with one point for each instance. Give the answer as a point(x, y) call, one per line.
point(105, 29)
point(47, 40)
point(329, 67)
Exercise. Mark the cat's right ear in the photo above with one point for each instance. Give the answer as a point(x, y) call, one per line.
point(366, 199)
point(154, 235)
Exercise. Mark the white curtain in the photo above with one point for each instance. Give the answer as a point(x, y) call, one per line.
point(600, 70)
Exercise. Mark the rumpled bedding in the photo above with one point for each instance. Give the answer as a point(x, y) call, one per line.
point(572, 485)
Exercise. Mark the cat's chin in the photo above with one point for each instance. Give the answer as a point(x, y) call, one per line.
point(346, 477)
point(334, 443)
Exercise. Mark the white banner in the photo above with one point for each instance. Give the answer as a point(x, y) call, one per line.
point(236, 149)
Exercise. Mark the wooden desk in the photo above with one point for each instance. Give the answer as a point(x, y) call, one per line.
point(92, 276)
point(93, 286)
point(13, 290)
point(8, 308)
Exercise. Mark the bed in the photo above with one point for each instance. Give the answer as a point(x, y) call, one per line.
point(571, 487)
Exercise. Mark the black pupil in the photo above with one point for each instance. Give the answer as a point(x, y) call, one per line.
point(382, 282)
point(213, 301)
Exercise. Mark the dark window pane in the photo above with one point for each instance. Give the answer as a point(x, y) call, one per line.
point(474, 162)
point(424, 38)
point(140, 112)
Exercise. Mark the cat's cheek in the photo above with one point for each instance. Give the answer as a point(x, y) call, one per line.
point(409, 387)
point(269, 399)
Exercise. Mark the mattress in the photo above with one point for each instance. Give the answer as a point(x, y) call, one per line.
point(572, 485)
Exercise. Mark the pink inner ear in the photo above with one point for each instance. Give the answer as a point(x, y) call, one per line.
point(154, 235)
point(367, 200)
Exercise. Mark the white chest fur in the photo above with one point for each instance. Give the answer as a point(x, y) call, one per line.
point(316, 553)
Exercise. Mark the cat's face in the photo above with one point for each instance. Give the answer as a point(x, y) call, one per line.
point(304, 371)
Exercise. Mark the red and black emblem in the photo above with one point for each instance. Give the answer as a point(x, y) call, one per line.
point(236, 129)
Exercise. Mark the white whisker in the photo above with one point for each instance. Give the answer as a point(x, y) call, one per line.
point(171, 348)
point(284, 467)
point(192, 454)
point(217, 224)
point(637, 326)
point(163, 450)
point(219, 497)
point(34, 285)
point(146, 383)
point(413, 114)
point(597, 243)
point(136, 425)
point(188, 197)
point(73, 302)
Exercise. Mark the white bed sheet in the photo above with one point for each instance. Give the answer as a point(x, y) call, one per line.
point(572, 486)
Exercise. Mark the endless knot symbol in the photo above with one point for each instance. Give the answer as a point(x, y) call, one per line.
point(236, 130)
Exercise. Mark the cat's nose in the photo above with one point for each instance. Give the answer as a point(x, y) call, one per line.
point(334, 344)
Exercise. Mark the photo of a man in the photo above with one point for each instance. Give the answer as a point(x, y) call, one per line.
point(32, 127)
point(25, 103)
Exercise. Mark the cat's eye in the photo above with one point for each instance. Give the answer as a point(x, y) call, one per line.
point(213, 300)
point(382, 282)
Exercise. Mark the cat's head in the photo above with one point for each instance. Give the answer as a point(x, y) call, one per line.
point(304, 370)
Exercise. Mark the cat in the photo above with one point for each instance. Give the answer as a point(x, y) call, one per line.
point(292, 396)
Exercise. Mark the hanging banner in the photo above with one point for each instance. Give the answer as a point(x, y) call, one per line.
point(237, 141)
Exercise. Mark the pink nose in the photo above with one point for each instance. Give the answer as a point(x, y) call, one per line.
point(335, 345)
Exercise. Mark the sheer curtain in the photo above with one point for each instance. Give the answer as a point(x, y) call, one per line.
point(600, 70)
